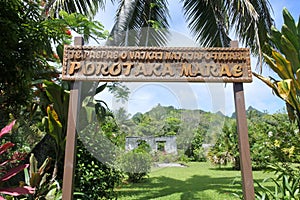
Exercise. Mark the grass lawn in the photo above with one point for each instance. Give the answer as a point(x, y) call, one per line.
point(197, 181)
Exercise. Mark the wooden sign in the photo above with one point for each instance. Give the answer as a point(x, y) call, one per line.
point(159, 64)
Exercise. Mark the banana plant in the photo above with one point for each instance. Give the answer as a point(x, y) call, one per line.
point(283, 57)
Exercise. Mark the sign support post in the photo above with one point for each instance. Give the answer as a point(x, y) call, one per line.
point(242, 128)
point(71, 138)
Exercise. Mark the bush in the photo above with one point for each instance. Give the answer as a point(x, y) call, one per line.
point(94, 178)
point(286, 183)
point(136, 164)
point(162, 157)
point(182, 157)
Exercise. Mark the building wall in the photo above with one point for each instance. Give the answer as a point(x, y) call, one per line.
point(170, 145)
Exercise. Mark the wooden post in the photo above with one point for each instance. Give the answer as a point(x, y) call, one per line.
point(70, 151)
point(242, 128)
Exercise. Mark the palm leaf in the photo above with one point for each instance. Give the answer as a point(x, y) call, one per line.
point(211, 21)
point(208, 21)
point(85, 7)
point(251, 20)
point(134, 23)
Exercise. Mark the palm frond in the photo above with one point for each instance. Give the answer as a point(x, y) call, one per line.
point(85, 7)
point(251, 20)
point(140, 23)
point(208, 21)
point(212, 20)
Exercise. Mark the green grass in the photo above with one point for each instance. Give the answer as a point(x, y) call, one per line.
point(197, 181)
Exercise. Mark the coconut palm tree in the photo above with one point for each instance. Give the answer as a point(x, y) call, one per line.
point(85, 7)
point(140, 23)
point(145, 22)
point(211, 21)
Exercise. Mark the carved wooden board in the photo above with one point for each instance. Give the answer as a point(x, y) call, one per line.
point(157, 64)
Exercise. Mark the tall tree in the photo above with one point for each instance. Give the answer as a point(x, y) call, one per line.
point(85, 7)
point(25, 43)
point(146, 22)
point(140, 23)
point(211, 21)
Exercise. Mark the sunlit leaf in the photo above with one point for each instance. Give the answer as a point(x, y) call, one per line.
point(6, 146)
point(17, 191)
point(12, 172)
point(284, 90)
point(7, 128)
point(283, 67)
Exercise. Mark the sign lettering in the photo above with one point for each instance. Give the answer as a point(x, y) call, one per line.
point(156, 64)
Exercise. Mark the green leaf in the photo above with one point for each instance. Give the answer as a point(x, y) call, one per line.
point(283, 66)
point(286, 184)
point(55, 126)
point(100, 88)
point(275, 37)
point(54, 93)
point(27, 177)
point(291, 36)
point(60, 51)
point(291, 53)
point(33, 164)
point(289, 20)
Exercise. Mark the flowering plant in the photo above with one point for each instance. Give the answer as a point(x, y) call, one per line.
point(5, 175)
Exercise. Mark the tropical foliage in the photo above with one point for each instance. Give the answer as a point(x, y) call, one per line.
point(226, 150)
point(93, 177)
point(136, 164)
point(283, 57)
point(272, 139)
point(10, 166)
point(146, 23)
point(32, 37)
point(209, 21)
point(286, 185)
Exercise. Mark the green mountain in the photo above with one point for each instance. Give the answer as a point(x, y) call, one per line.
point(250, 111)
point(167, 120)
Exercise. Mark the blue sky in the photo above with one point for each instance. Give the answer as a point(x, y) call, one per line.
point(208, 97)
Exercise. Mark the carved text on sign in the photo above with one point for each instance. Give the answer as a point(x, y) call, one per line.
point(156, 64)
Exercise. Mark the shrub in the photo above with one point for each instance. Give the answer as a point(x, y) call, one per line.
point(136, 164)
point(287, 183)
point(163, 157)
point(94, 178)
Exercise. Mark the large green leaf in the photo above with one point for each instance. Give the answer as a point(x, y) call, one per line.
point(289, 21)
point(59, 98)
point(292, 37)
point(100, 88)
point(55, 127)
point(54, 93)
point(283, 66)
point(291, 53)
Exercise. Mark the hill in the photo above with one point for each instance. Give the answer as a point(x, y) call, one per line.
point(250, 111)
point(167, 120)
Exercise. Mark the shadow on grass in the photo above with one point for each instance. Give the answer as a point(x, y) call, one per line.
point(164, 186)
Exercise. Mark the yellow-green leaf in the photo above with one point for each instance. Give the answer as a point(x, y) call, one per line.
point(283, 66)
point(290, 52)
point(284, 90)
